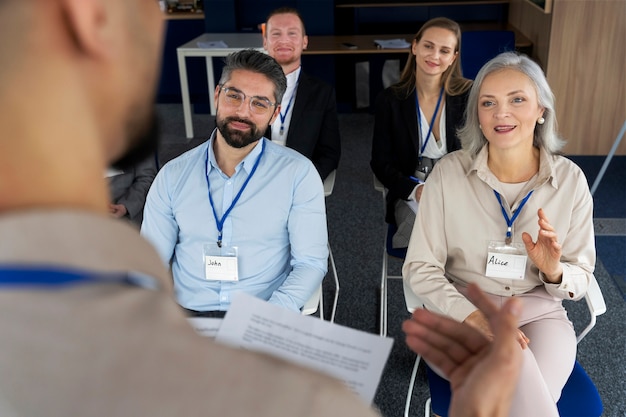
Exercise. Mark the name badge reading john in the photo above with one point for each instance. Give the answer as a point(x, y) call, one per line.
point(506, 261)
point(220, 263)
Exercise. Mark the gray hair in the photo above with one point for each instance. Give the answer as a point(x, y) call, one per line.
point(545, 135)
point(259, 62)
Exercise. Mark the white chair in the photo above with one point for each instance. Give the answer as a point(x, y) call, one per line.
point(312, 304)
point(329, 185)
point(317, 299)
point(388, 251)
point(579, 396)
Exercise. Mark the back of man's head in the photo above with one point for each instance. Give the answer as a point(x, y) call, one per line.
point(88, 70)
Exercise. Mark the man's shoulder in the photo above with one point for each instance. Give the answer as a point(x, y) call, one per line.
point(186, 157)
point(313, 80)
point(284, 154)
point(316, 86)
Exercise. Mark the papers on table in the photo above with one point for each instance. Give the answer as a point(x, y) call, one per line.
point(212, 44)
point(353, 356)
point(392, 43)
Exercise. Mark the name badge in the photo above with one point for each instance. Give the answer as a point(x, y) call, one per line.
point(220, 263)
point(506, 261)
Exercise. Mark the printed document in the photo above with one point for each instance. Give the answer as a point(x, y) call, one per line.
point(353, 356)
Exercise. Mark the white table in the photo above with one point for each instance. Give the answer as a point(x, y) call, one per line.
point(235, 42)
point(318, 45)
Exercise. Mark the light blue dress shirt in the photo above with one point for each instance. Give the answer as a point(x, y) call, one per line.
point(278, 225)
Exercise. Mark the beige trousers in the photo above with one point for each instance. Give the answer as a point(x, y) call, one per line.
point(550, 357)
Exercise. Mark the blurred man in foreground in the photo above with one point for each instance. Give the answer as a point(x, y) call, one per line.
point(89, 326)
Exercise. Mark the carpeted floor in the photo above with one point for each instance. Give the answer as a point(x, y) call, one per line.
point(355, 222)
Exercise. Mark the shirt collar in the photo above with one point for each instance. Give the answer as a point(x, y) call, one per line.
point(292, 77)
point(247, 163)
point(546, 168)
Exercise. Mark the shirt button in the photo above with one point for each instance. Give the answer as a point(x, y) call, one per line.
point(507, 288)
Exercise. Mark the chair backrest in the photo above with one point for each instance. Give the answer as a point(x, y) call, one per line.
point(479, 46)
point(411, 300)
point(312, 303)
point(329, 183)
point(595, 304)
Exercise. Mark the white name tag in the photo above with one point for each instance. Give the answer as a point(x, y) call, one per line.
point(501, 265)
point(220, 264)
point(506, 261)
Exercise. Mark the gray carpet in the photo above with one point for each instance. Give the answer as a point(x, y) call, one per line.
point(355, 221)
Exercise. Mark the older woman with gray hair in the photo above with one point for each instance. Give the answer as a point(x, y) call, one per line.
point(510, 214)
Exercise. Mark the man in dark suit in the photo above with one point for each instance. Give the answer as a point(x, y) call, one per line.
point(130, 188)
point(308, 117)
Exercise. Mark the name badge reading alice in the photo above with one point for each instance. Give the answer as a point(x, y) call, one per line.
point(220, 263)
point(506, 261)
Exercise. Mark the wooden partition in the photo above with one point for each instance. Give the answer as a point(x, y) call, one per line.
point(586, 70)
point(580, 45)
point(534, 23)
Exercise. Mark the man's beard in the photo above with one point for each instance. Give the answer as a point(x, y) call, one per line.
point(143, 143)
point(237, 138)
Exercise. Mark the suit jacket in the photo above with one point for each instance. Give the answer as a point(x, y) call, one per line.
point(395, 144)
point(314, 127)
point(131, 188)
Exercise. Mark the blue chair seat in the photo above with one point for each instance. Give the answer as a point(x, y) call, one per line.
point(391, 251)
point(579, 398)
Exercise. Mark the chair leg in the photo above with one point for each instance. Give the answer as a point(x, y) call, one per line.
point(383, 297)
point(334, 268)
point(322, 304)
point(409, 394)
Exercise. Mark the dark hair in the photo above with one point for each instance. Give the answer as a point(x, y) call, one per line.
point(255, 61)
point(286, 10)
point(452, 79)
point(545, 135)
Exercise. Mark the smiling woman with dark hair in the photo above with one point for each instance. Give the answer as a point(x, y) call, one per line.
point(417, 119)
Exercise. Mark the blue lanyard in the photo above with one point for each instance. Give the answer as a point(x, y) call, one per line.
point(432, 122)
point(510, 221)
point(282, 116)
point(220, 222)
point(55, 277)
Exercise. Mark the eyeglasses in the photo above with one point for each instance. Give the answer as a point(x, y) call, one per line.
point(234, 98)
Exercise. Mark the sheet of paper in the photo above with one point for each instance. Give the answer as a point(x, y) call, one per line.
point(392, 43)
point(353, 356)
point(212, 44)
point(205, 326)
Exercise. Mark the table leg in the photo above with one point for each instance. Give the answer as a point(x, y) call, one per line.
point(211, 83)
point(184, 89)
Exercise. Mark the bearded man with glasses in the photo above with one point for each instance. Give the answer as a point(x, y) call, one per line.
point(240, 213)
